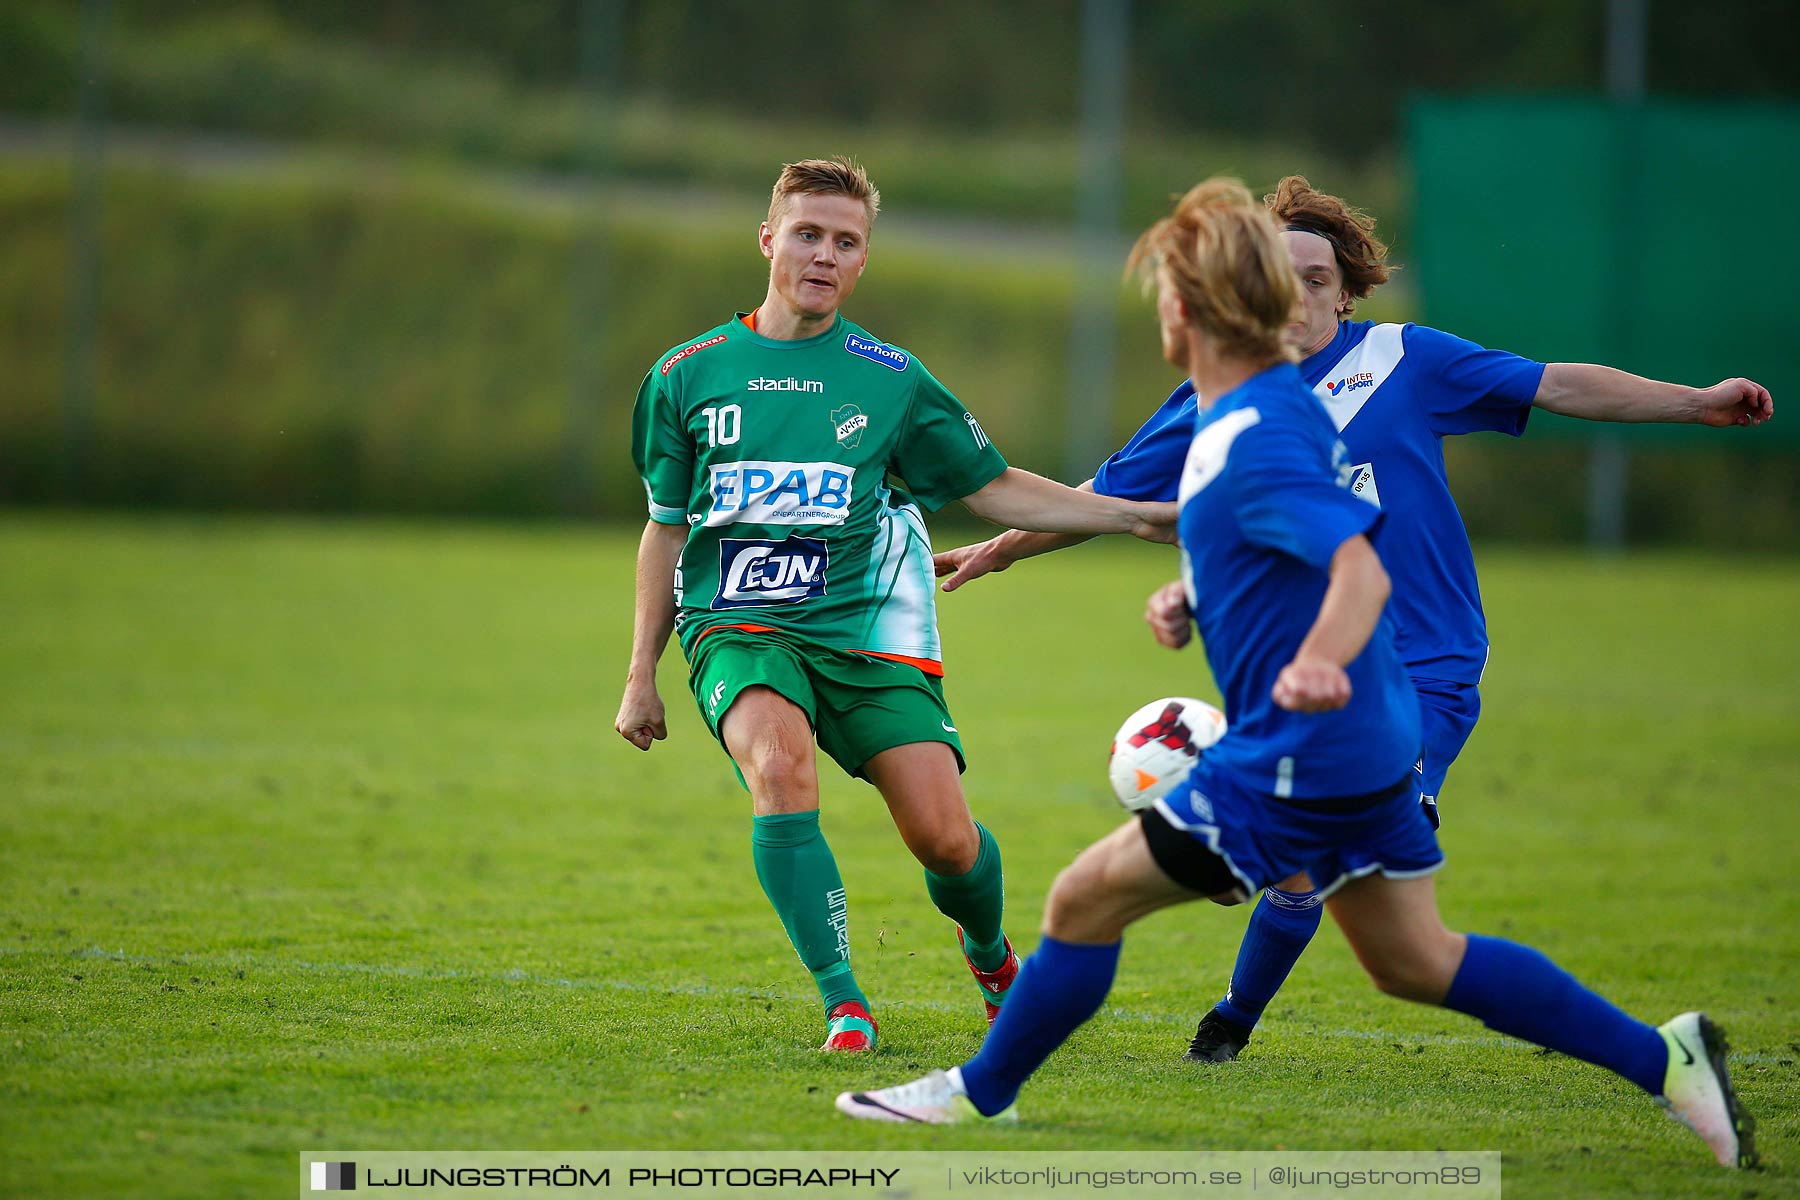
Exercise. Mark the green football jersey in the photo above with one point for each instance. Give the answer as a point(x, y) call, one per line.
point(778, 456)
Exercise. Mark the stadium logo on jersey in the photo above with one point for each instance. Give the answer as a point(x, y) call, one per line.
point(687, 350)
point(886, 355)
point(790, 384)
point(1362, 372)
point(759, 574)
point(981, 437)
point(779, 493)
point(849, 422)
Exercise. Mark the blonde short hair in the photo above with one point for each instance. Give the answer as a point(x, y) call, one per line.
point(834, 176)
point(1226, 260)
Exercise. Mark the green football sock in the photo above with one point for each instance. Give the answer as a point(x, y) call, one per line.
point(975, 901)
point(800, 877)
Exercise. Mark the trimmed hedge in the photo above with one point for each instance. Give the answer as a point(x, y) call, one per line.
point(407, 343)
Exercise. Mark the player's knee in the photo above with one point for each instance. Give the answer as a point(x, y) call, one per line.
point(949, 848)
point(1415, 977)
point(1073, 910)
point(777, 769)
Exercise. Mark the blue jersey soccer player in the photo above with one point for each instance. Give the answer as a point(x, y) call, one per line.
point(1394, 392)
point(1316, 771)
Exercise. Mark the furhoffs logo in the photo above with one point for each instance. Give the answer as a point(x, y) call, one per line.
point(334, 1177)
point(849, 422)
point(887, 356)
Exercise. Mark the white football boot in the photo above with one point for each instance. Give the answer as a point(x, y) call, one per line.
point(937, 1099)
point(1697, 1090)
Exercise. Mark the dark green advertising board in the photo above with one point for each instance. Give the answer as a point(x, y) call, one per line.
point(1661, 238)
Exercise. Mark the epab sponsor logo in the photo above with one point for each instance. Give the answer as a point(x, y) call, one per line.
point(687, 350)
point(780, 493)
point(790, 384)
point(1352, 383)
point(754, 573)
point(879, 352)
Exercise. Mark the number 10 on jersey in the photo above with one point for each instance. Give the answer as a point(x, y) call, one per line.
point(723, 425)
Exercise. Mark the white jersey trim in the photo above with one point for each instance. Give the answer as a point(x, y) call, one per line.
point(1355, 378)
point(1211, 447)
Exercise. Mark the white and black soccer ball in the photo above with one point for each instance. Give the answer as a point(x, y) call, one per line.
point(1158, 745)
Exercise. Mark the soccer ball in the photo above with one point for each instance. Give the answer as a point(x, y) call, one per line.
point(1158, 745)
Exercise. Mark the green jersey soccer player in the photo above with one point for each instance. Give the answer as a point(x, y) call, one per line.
point(786, 455)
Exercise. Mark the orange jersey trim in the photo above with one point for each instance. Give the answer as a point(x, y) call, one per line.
point(928, 665)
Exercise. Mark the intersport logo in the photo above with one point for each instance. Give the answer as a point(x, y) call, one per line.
point(1352, 383)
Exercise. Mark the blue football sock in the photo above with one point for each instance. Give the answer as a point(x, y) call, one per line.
point(1061, 985)
point(1515, 990)
point(1279, 929)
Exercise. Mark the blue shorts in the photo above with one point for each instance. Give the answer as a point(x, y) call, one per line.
point(1263, 840)
point(1447, 715)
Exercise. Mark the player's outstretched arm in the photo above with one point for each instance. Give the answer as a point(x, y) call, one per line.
point(966, 563)
point(1316, 681)
point(1596, 393)
point(641, 720)
point(1031, 502)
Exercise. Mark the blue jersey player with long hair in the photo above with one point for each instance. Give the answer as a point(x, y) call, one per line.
point(1394, 392)
point(1316, 772)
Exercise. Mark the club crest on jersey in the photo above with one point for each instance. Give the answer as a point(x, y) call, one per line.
point(687, 350)
point(759, 574)
point(849, 423)
point(879, 352)
point(779, 493)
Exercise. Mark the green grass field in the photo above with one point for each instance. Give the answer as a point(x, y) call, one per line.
point(316, 835)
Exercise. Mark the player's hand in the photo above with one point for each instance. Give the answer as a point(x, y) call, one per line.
point(1155, 523)
point(1735, 402)
point(1311, 685)
point(1166, 612)
point(640, 720)
point(967, 563)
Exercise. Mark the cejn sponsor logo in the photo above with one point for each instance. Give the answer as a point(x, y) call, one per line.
point(779, 493)
point(1352, 383)
point(687, 350)
point(754, 573)
point(790, 384)
point(879, 352)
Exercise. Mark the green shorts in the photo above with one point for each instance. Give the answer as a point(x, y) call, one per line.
point(857, 705)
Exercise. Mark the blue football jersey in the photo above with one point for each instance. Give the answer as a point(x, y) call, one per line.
point(1264, 504)
point(1394, 392)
